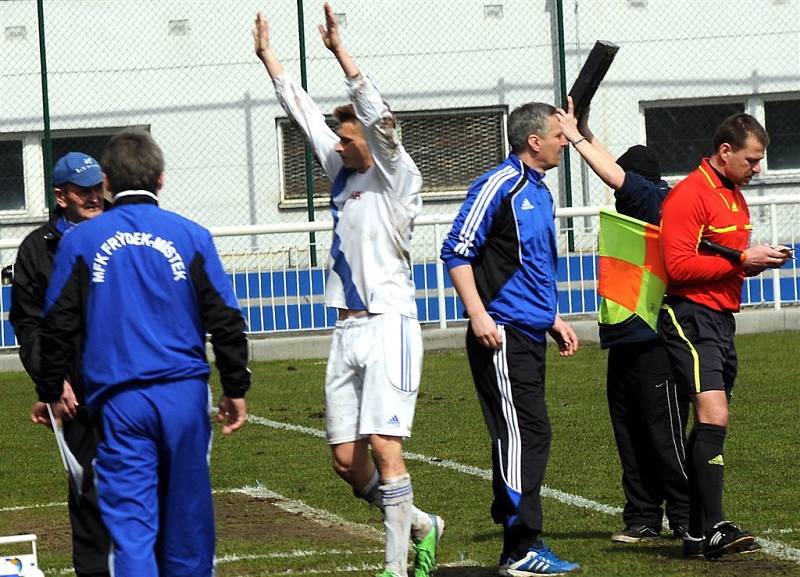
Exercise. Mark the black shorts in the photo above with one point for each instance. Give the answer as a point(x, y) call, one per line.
point(699, 341)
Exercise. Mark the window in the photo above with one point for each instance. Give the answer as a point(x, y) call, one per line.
point(22, 194)
point(450, 147)
point(782, 119)
point(681, 134)
point(12, 177)
point(91, 144)
point(294, 171)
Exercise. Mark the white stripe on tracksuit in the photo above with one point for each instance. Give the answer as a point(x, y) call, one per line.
point(475, 215)
point(672, 426)
point(512, 469)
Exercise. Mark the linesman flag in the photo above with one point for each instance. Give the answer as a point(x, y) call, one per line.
point(631, 272)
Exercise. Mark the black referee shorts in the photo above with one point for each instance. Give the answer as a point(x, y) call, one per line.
point(699, 342)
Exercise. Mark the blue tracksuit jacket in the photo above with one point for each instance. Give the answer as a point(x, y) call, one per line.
point(506, 231)
point(142, 286)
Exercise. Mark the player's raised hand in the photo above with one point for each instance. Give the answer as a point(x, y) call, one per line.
point(330, 32)
point(263, 48)
point(261, 36)
point(568, 122)
point(232, 412)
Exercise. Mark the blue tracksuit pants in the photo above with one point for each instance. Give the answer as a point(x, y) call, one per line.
point(153, 485)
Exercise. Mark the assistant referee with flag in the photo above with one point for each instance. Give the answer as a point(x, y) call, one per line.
point(648, 411)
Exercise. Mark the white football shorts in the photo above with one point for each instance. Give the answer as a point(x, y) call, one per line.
point(372, 378)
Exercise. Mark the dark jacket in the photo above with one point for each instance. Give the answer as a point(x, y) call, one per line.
point(32, 271)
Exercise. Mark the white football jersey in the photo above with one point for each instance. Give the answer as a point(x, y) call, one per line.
point(369, 267)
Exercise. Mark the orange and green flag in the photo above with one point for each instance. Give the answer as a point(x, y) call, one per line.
point(631, 277)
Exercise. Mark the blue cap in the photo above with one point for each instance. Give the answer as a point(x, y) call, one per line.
point(79, 169)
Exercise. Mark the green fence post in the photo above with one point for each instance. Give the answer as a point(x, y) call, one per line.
point(562, 78)
point(312, 238)
point(48, 143)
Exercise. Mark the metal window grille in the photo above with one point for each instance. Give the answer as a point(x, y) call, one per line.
point(450, 148)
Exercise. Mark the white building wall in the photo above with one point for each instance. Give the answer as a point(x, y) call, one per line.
point(208, 101)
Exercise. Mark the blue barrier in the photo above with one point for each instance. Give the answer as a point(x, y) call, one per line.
point(293, 300)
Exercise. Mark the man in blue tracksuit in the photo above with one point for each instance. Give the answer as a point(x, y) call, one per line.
point(141, 287)
point(501, 254)
point(648, 410)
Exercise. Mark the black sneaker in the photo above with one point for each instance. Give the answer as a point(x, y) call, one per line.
point(724, 538)
point(693, 546)
point(753, 547)
point(635, 534)
point(680, 532)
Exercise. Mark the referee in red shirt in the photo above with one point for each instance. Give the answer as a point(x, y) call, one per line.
point(697, 326)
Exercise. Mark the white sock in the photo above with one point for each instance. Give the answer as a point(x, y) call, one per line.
point(398, 498)
point(420, 521)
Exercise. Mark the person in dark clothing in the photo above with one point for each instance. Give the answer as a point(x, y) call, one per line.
point(648, 411)
point(78, 183)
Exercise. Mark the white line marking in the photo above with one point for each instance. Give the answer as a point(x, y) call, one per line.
point(296, 554)
point(286, 426)
point(779, 550)
point(774, 548)
point(342, 569)
point(351, 569)
point(318, 516)
point(25, 507)
point(568, 498)
point(780, 531)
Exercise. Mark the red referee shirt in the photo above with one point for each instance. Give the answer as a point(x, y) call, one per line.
point(702, 207)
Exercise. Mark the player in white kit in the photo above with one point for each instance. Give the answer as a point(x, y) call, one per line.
point(376, 354)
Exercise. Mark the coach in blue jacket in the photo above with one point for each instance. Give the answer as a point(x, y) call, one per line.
point(142, 287)
point(501, 255)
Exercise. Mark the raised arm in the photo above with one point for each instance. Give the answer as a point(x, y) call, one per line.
point(297, 104)
point(263, 47)
point(371, 110)
point(596, 156)
point(333, 42)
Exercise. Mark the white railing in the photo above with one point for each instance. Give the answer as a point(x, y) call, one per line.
point(281, 288)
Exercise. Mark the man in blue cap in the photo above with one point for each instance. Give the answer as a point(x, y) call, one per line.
point(78, 187)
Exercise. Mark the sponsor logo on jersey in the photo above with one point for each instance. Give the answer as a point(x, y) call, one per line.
point(526, 204)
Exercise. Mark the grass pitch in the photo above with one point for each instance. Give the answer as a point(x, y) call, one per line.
point(281, 510)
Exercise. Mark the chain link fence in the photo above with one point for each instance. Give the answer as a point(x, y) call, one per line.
point(450, 69)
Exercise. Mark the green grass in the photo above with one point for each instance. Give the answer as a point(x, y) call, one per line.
point(761, 491)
